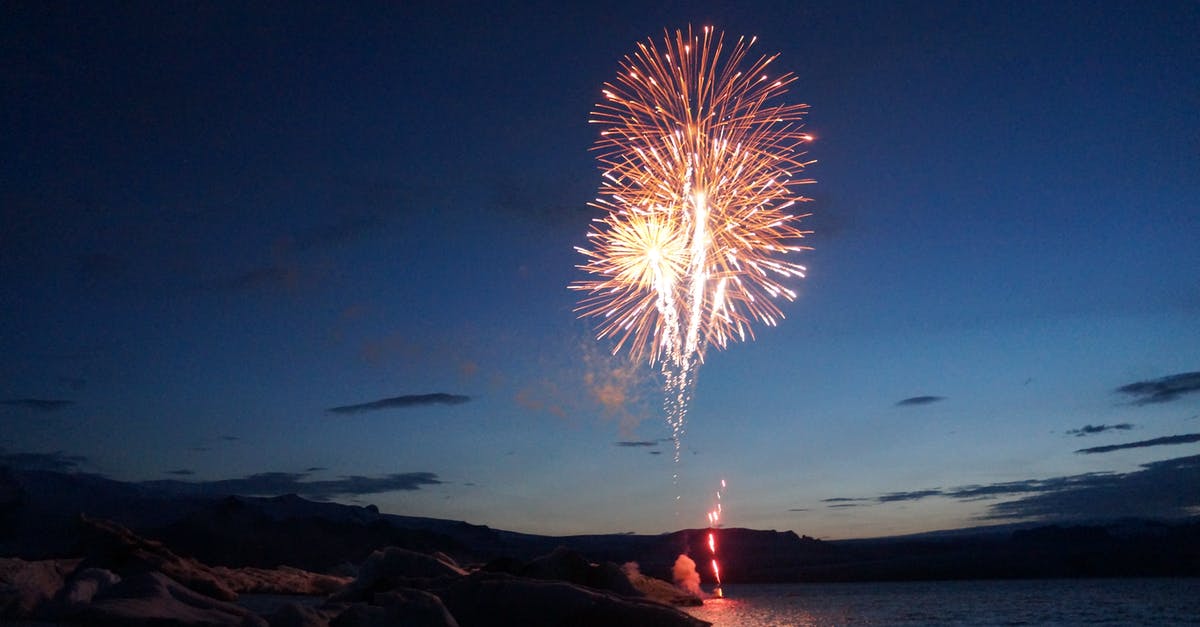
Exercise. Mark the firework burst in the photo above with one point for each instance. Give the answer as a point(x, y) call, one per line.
point(700, 167)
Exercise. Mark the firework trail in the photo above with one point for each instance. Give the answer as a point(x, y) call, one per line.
point(700, 167)
point(714, 522)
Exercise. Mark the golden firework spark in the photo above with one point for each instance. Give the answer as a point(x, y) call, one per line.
point(700, 166)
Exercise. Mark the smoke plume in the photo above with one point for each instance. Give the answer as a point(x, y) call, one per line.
point(685, 575)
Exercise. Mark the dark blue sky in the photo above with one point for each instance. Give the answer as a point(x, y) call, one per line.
point(221, 221)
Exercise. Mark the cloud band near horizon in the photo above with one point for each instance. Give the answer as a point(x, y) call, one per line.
point(1185, 438)
point(1163, 488)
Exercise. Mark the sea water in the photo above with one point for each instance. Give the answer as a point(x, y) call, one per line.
point(1020, 602)
point(1023, 602)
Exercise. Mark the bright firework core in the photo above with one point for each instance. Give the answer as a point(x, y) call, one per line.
point(699, 169)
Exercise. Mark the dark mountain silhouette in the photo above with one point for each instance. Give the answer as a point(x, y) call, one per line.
point(39, 514)
point(238, 531)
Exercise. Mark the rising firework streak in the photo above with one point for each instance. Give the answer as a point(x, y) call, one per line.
point(714, 522)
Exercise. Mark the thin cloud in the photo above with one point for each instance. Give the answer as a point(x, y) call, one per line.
point(92, 269)
point(75, 383)
point(356, 485)
point(57, 461)
point(394, 346)
point(914, 495)
point(181, 472)
point(919, 400)
point(1163, 441)
point(261, 484)
point(529, 200)
point(974, 492)
point(798, 509)
point(1094, 429)
point(1163, 389)
point(275, 277)
point(543, 396)
point(841, 505)
point(289, 273)
point(636, 443)
point(230, 438)
point(315, 469)
point(1161, 489)
point(42, 405)
point(277, 483)
point(1164, 489)
point(402, 402)
point(346, 229)
point(1012, 488)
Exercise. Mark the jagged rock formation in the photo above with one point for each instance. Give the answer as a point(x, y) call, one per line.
point(152, 599)
point(129, 580)
point(26, 586)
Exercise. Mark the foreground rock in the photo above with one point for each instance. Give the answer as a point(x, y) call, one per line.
point(394, 568)
point(27, 586)
point(563, 564)
point(298, 615)
point(566, 565)
point(399, 587)
point(81, 588)
point(499, 600)
point(402, 606)
point(110, 546)
point(128, 580)
point(282, 580)
point(153, 600)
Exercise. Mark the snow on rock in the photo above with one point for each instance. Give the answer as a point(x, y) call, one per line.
point(113, 547)
point(154, 599)
point(392, 567)
point(281, 580)
point(84, 584)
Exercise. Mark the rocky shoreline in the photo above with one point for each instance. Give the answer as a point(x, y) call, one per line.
point(122, 579)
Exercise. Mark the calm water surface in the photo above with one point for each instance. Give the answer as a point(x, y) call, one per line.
point(1041, 602)
point(1036, 602)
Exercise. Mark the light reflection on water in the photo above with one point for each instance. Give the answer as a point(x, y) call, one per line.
point(1030, 602)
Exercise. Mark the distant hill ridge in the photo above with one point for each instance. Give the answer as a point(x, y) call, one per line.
point(39, 513)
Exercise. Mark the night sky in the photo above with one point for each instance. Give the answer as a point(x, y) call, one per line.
point(324, 248)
